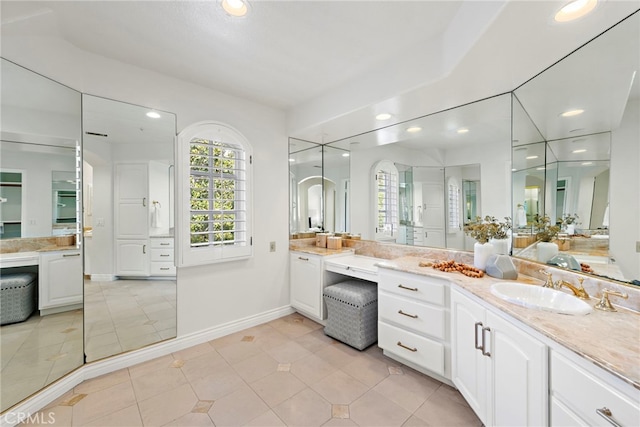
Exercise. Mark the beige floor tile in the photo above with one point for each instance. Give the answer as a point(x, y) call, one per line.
point(239, 351)
point(138, 341)
point(168, 406)
point(312, 369)
point(288, 352)
point(59, 416)
point(337, 354)
point(447, 413)
point(373, 409)
point(103, 402)
point(270, 338)
point(127, 417)
point(204, 365)
point(237, 408)
point(368, 370)
point(268, 419)
point(192, 352)
point(192, 420)
point(414, 421)
point(214, 386)
point(294, 325)
point(306, 408)
point(103, 381)
point(150, 366)
point(234, 338)
point(446, 393)
point(153, 383)
point(277, 387)
point(340, 388)
point(406, 390)
point(340, 422)
point(256, 367)
point(315, 340)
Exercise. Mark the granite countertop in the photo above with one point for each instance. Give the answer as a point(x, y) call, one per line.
point(608, 339)
point(321, 251)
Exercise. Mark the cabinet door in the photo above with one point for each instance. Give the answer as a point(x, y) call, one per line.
point(468, 365)
point(132, 258)
point(306, 284)
point(131, 201)
point(60, 279)
point(518, 375)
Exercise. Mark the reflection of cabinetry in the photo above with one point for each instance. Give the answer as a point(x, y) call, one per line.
point(59, 280)
point(500, 370)
point(11, 205)
point(583, 394)
point(131, 219)
point(414, 320)
point(308, 280)
point(162, 256)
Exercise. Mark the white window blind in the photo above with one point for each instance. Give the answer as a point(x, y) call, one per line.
point(216, 203)
point(454, 207)
point(387, 193)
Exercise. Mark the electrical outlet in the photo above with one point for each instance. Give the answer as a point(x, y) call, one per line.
point(272, 246)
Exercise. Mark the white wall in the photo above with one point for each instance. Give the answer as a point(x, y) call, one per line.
point(624, 199)
point(208, 296)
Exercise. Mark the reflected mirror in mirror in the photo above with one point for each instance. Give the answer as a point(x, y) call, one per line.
point(42, 319)
point(444, 143)
point(591, 175)
point(130, 277)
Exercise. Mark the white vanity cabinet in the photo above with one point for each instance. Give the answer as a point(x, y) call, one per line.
point(308, 280)
point(413, 321)
point(582, 394)
point(500, 369)
point(59, 281)
point(132, 257)
point(162, 260)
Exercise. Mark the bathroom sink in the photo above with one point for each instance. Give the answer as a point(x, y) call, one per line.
point(540, 298)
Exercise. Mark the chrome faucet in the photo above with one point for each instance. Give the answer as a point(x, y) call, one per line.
point(579, 291)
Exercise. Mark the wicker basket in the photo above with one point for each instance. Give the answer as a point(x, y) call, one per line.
point(17, 297)
point(352, 308)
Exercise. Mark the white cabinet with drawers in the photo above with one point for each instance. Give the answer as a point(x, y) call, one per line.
point(162, 256)
point(413, 321)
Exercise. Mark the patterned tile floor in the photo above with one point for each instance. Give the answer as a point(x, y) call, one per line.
point(282, 373)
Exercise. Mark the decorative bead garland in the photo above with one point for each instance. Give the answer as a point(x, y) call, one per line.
point(451, 266)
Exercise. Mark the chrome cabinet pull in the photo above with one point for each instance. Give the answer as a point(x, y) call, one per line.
point(408, 348)
point(165, 244)
point(413, 316)
point(478, 346)
point(144, 249)
point(144, 202)
point(303, 259)
point(484, 350)
point(409, 289)
point(164, 268)
point(69, 255)
point(164, 254)
point(605, 413)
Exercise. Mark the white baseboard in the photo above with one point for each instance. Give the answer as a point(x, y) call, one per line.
point(101, 367)
point(103, 277)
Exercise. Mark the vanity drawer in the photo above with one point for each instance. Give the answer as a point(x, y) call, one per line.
point(422, 288)
point(584, 393)
point(419, 317)
point(163, 269)
point(163, 254)
point(419, 350)
point(162, 242)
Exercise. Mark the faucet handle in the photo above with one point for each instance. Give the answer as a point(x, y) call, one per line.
point(549, 282)
point(604, 304)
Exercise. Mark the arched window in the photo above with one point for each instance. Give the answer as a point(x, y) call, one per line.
point(214, 163)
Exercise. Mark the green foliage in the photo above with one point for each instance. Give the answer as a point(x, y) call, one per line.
point(567, 219)
point(545, 232)
point(484, 229)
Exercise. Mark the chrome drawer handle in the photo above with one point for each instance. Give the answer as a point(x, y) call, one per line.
point(484, 349)
point(303, 259)
point(408, 348)
point(164, 268)
point(69, 255)
point(409, 289)
point(478, 346)
point(164, 254)
point(165, 244)
point(413, 316)
point(605, 413)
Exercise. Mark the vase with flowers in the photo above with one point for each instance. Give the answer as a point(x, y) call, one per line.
point(546, 232)
point(484, 230)
point(569, 222)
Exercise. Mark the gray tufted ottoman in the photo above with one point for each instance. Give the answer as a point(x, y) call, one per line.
point(17, 297)
point(352, 312)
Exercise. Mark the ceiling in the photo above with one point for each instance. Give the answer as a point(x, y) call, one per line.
point(331, 65)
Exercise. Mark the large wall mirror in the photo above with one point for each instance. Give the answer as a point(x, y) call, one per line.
point(576, 151)
point(130, 282)
point(451, 166)
point(41, 337)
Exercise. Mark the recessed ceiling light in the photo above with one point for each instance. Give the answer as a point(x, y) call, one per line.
point(531, 157)
point(582, 150)
point(383, 116)
point(575, 10)
point(414, 129)
point(587, 163)
point(540, 168)
point(153, 115)
point(462, 130)
point(236, 8)
point(292, 160)
point(513, 170)
point(345, 154)
point(572, 113)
